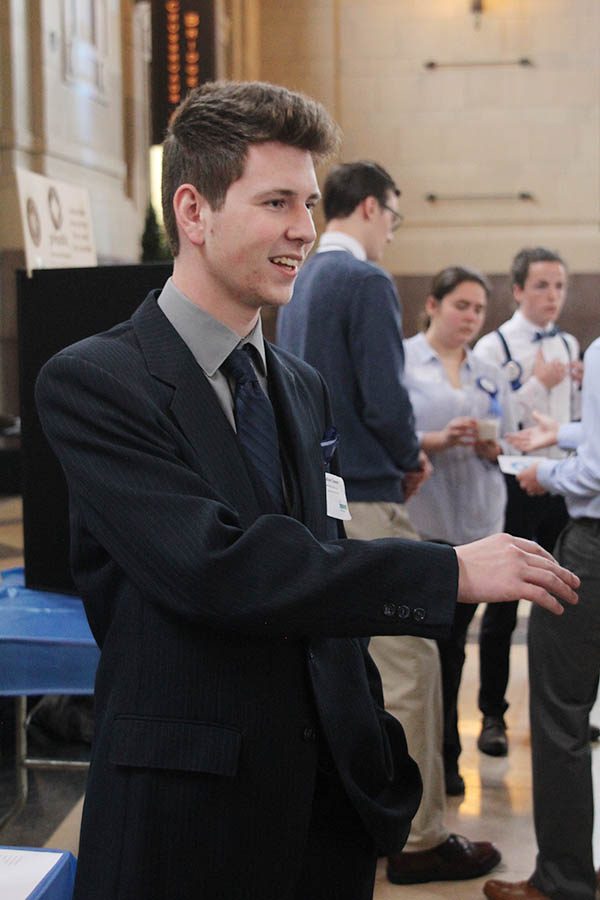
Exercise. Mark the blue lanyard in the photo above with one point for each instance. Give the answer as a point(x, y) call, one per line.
point(489, 387)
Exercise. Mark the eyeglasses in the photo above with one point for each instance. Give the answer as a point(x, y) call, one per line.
point(397, 219)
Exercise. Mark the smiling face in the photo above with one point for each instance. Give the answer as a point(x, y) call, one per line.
point(542, 297)
point(247, 253)
point(457, 318)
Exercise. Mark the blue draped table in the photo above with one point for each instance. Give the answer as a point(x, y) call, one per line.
point(46, 647)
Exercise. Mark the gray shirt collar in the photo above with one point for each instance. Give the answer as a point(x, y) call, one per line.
point(209, 341)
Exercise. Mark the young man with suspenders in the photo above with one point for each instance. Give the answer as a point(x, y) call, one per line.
point(543, 367)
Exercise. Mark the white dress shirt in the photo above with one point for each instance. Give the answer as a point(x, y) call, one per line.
point(563, 401)
point(338, 240)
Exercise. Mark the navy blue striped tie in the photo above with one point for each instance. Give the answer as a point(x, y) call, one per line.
point(256, 427)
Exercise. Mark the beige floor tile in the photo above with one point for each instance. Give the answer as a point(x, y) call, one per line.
point(66, 836)
point(11, 508)
point(12, 534)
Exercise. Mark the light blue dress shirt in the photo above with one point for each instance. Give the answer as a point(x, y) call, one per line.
point(577, 478)
point(465, 497)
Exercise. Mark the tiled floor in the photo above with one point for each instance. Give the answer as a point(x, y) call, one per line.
point(497, 803)
point(496, 807)
point(11, 532)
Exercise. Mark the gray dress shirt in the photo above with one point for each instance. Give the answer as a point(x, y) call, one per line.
point(210, 342)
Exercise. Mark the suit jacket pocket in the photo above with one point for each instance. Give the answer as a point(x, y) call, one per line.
point(175, 744)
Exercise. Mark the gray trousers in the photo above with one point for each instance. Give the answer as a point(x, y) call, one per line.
point(564, 665)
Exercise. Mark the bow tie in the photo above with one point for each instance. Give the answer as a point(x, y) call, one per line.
point(540, 335)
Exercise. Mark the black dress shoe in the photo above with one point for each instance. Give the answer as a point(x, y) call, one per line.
point(455, 783)
point(457, 859)
point(594, 734)
point(492, 739)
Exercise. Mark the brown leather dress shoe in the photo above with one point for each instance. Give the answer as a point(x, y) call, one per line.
point(512, 890)
point(457, 859)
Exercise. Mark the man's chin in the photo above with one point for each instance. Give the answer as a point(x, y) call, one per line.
point(275, 302)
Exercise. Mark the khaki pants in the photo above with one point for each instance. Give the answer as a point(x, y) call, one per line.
point(410, 672)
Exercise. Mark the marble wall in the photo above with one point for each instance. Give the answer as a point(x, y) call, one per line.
point(74, 105)
point(478, 129)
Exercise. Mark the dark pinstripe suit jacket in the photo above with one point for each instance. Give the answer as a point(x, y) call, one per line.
point(229, 638)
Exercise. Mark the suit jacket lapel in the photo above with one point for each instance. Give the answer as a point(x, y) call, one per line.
point(204, 425)
point(196, 409)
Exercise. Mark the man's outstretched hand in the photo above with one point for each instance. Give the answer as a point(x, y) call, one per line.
point(543, 434)
point(503, 568)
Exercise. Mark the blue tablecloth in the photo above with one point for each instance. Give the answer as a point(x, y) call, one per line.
point(57, 884)
point(46, 646)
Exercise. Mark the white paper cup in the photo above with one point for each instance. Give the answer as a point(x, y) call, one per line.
point(488, 429)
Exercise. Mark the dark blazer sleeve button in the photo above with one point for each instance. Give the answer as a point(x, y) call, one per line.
point(419, 614)
point(389, 609)
point(309, 734)
point(403, 612)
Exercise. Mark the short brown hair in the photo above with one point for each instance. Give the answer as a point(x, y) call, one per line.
point(349, 184)
point(519, 269)
point(210, 132)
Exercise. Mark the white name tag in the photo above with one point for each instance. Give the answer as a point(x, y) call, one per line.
point(335, 490)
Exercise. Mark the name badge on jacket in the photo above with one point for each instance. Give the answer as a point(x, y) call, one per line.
point(337, 505)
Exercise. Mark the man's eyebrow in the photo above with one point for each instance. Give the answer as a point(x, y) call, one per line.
point(286, 192)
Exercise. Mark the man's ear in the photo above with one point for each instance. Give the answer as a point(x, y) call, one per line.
point(370, 207)
point(191, 208)
point(517, 293)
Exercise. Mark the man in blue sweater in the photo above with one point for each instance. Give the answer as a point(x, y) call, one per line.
point(345, 319)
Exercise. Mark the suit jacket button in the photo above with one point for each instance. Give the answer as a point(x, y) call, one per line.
point(419, 614)
point(389, 609)
point(309, 734)
point(403, 612)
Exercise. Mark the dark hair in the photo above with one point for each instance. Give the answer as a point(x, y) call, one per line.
point(449, 279)
point(349, 184)
point(524, 258)
point(210, 131)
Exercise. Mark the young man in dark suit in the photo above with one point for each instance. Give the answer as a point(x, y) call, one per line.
point(241, 749)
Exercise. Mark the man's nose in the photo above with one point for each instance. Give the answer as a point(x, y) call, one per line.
point(302, 226)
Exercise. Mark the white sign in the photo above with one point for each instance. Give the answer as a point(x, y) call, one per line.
point(513, 465)
point(22, 870)
point(57, 223)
